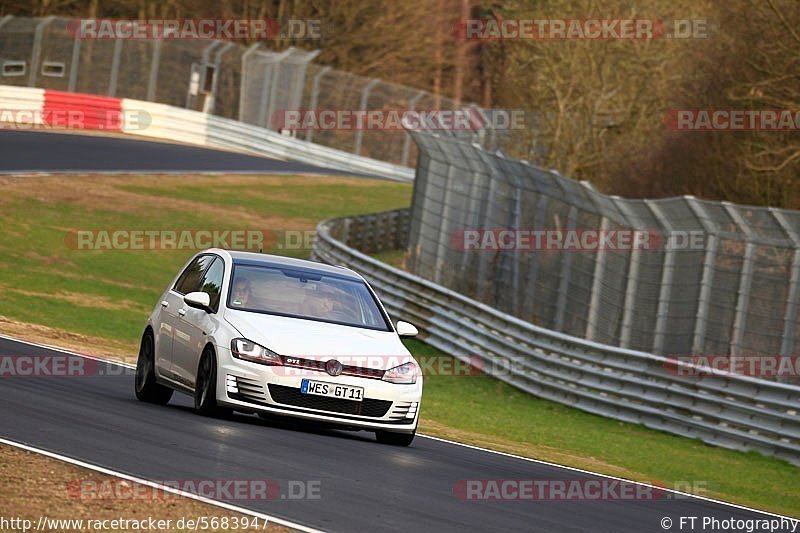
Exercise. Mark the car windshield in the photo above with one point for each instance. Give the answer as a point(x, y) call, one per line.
point(305, 294)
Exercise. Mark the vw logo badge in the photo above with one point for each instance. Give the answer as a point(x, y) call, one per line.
point(333, 367)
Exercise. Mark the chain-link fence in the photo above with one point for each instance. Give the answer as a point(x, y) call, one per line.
point(225, 78)
point(717, 278)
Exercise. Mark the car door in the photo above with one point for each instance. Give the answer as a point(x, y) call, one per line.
point(195, 324)
point(170, 327)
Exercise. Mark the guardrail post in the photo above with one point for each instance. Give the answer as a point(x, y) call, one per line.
point(515, 263)
point(315, 98)
point(273, 64)
point(264, 100)
point(200, 69)
point(37, 49)
point(632, 279)
point(243, 85)
point(407, 142)
point(212, 98)
point(792, 304)
point(112, 83)
point(745, 281)
point(444, 241)
point(707, 281)
point(299, 81)
point(363, 107)
point(73, 66)
point(483, 255)
point(273, 90)
point(542, 204)
point(473, 212)
point(667, 273)
point(566, 267)
point(154, 64)
point(597, 285)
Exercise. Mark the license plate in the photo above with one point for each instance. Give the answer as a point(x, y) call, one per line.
point(331, 390)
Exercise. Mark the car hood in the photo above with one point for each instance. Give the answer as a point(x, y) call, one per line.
point(320, 340)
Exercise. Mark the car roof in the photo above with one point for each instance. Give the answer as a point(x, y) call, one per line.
point(267, 260)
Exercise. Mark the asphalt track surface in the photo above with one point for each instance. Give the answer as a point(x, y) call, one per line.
point(39, 151)
point(363, 485)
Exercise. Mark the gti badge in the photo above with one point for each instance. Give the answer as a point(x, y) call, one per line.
point(333, 367)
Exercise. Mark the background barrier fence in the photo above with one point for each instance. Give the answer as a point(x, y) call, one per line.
point(222, 78)
point(727, 283)
point(732, 411)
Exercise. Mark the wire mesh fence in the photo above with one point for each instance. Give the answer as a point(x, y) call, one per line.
point(250, 84)
point(707, 278)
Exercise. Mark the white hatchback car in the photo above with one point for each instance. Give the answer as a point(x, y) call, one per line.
point(271, 335)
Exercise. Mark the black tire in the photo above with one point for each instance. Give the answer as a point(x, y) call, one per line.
point(147, 389)
point(205, 390)
point(395, 439)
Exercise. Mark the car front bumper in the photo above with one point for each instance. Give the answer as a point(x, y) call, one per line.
point(247, 386)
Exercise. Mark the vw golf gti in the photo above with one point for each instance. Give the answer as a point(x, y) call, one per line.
point(273, 335)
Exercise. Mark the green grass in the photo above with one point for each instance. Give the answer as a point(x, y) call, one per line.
point(45, 281)
point(108, 294)
point(391, 257)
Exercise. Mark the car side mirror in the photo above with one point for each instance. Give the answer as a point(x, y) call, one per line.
point(198, 300)
point(404, 329)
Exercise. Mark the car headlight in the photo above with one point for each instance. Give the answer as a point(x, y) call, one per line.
point(405, 373)
point(250, 351)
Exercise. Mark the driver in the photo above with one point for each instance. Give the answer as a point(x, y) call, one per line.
point(241, 292)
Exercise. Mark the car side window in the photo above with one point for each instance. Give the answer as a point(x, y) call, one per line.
point(190, 280)
point(212, 282)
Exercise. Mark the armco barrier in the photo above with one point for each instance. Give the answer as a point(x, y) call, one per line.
point(96, 112)
point(21, 98)
point(736, 412)
point(170, 123)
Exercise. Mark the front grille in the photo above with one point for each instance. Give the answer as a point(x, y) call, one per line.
point(292, 396)
point(347, 370)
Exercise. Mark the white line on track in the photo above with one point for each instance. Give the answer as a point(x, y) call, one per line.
point(171, 490)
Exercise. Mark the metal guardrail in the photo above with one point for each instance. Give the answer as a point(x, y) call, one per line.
point(184, 125)
point(194, 127)
point(737, 412)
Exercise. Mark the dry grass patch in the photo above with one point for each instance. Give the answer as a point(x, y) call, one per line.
point(36, 486)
